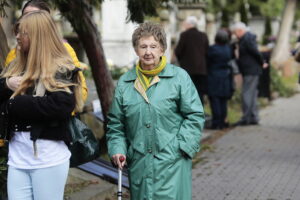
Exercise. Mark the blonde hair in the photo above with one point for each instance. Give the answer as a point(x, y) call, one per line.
point(46, 57)
point(150, 29)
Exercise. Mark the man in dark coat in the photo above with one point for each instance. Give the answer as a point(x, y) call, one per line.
point(250, 63)
point(191, 53)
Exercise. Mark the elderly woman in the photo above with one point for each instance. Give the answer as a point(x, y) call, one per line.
point(155, 121)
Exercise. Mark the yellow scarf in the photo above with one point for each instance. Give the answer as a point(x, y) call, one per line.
point(145, 76)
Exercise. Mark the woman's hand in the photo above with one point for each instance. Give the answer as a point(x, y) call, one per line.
point(14, 82)
point(265, 65)
point(117, 161)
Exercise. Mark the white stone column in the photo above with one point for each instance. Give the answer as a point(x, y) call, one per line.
point(117, 33)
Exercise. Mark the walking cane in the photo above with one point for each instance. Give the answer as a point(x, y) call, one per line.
point(119, 194)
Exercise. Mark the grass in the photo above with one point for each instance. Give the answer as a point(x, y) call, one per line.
point(290, 82)
point(284, 86)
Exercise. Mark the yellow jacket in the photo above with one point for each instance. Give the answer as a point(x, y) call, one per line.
point(12, 55)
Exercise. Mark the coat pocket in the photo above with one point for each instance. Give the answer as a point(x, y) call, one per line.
point(171, 152)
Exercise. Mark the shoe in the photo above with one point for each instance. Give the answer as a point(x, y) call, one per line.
point(241, 123)
point(214, 127)
point(226, 125)
point(254, 123)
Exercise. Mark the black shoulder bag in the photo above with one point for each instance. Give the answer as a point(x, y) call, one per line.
point(84, 145)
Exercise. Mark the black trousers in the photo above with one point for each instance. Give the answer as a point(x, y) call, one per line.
point(200, 82)
point(219, 111)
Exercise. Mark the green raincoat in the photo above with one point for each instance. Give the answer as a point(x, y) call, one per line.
point(159, 131)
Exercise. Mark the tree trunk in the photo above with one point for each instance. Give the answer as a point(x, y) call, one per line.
point(281, 50)
point(3, 47)
point(78, 13)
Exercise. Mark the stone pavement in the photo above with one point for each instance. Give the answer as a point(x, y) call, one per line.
point(247, 163)
point(85, 186)
point(254, 162)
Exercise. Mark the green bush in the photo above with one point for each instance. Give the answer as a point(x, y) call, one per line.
point(284, 86)
point(115, 72)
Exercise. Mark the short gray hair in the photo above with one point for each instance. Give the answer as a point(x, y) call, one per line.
point(150, 29)
point(239, 25)
point(191, 20)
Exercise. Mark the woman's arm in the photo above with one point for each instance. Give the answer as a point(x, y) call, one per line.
point(115, 135)
point(191, 108)
point(55, 105)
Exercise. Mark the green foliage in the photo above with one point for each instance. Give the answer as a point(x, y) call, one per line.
point(3, 171)
point(284, 86)
point(117, 73)
point(227, 8)
point(138, 9)
point(297, 16)
point(268, 8)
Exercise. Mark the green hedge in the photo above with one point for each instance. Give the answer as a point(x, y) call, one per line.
point(285, 86)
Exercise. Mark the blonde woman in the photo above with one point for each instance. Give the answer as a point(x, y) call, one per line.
point(39, 90)
point(34, 5)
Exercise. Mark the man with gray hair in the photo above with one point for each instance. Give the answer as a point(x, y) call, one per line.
point(191, 52)
point(250, 62)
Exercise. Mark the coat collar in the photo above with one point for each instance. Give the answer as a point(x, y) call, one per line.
point(168, 71)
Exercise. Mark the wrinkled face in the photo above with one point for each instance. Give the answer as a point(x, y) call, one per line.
point(149, 52)
point(23, 41)
point(238, 33)
point(29, 9)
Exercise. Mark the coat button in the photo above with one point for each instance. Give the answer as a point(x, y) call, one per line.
point(150, 150)
point(148, 125)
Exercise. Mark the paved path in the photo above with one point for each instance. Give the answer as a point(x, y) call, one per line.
point(255, 162)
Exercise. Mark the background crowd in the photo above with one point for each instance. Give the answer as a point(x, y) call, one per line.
point(213, 68)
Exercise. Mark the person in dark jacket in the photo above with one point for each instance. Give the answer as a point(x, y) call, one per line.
point(191, 53)
point(39, 90)
point(219, 80)
point(250, 64)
